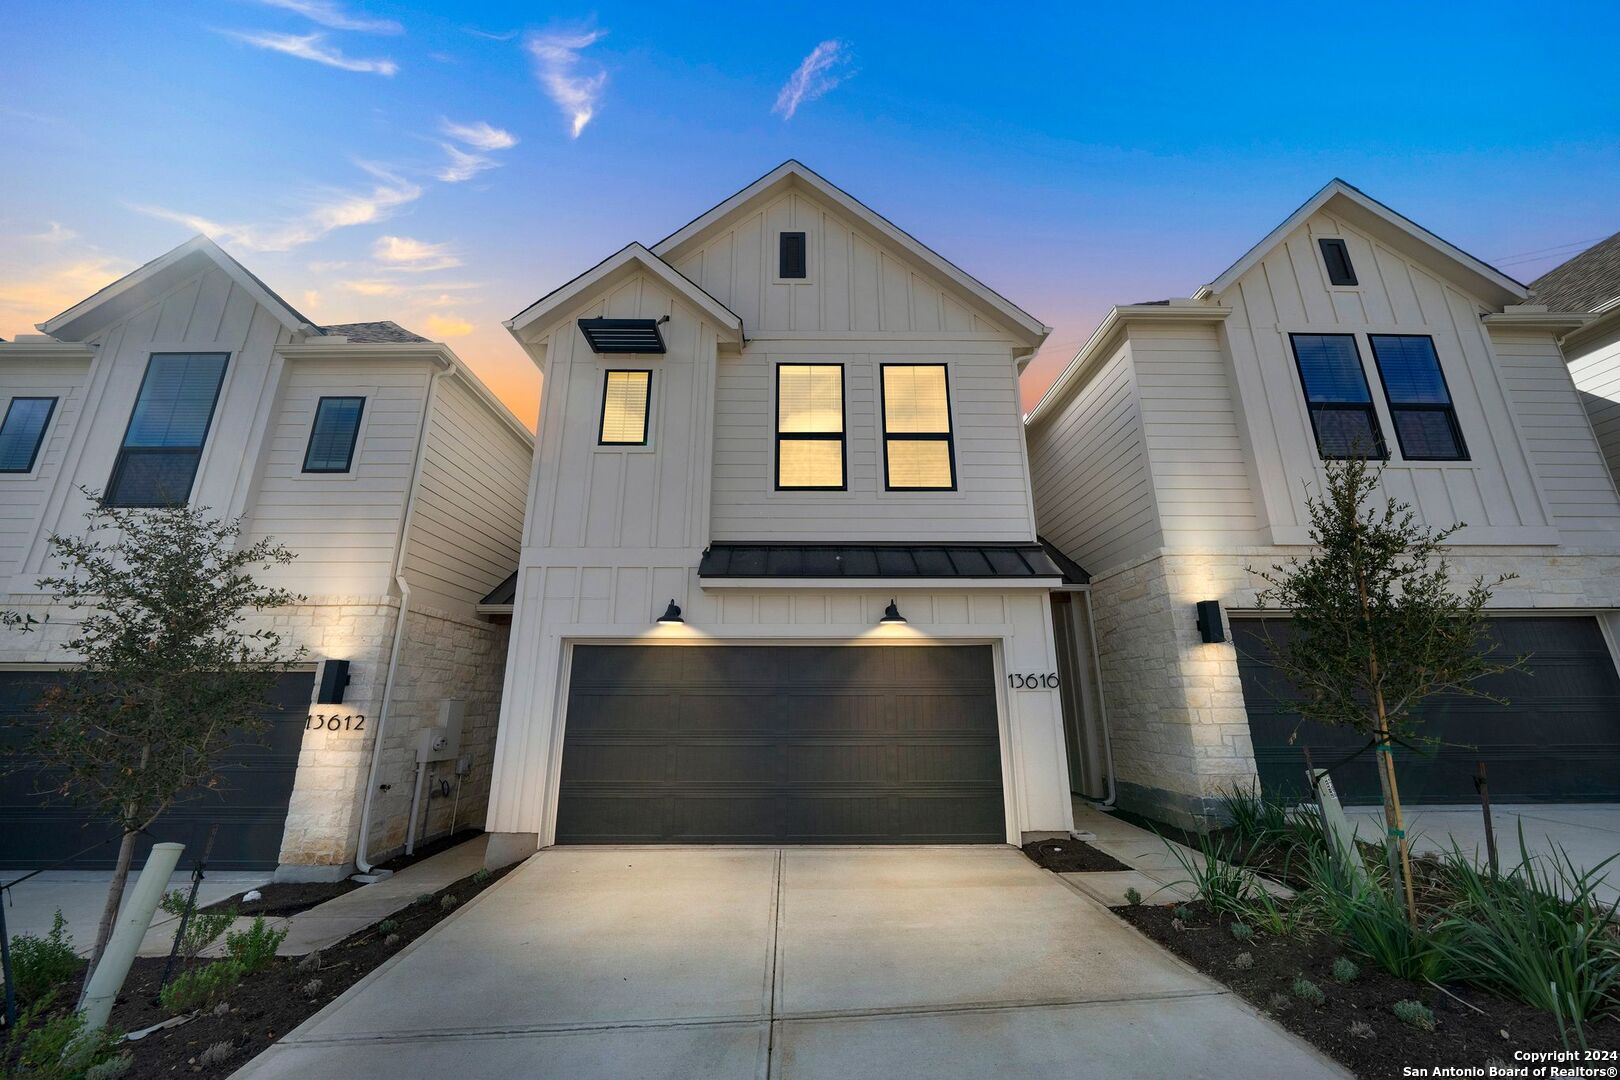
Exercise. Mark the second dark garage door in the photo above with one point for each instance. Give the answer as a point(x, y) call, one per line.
point(781, 744)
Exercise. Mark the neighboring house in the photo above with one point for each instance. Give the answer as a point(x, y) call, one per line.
point(765, 441)
point(1178, 448)
point(1590, 282)
point(390, 471)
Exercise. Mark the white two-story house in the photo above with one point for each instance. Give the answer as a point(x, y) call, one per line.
point(391, 472)
point(1178, 448)
point(780, 579)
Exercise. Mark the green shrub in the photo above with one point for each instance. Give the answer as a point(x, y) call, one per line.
point(1371, 920)
point(1414, 1013)
point(387, 926)
point(110, 1069)
point(1219, 881)
point(448, 902)
point(1241, 931)
point(254, 949)
point(482, 875)
point(203, 928)
point(1243, 961)
point(1252, 817)
point(201, 987)
point(1539, 933)
point(40, 964)
point(1132, 897)
point(1309, 992)
point(1345, 969)
point(60, 1048)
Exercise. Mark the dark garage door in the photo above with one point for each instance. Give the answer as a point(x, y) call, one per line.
point(1557, 739)
point(250, 805)
point(802, 744)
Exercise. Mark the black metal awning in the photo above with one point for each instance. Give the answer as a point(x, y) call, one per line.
point(503, 594)
point(881, 561)
point(622, 335)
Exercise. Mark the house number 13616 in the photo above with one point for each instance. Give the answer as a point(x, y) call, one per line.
point(1033, 681)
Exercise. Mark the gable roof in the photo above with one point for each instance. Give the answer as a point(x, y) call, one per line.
point(1363, 210)
point(625, 261)
point(792, 174)
point(1588, 282)
point(167, 270)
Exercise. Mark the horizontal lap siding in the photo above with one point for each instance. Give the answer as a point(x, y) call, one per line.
point(1094, 494)
point(1596, 371)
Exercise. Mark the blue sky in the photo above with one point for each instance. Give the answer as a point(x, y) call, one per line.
point(444, 164)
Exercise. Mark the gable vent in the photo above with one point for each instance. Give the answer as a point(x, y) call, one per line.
point(622, 335)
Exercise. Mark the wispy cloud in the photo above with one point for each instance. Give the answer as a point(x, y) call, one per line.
point(55, 233)
point(479, 134)
point(448, 325)
point(403, 253)
point(825, 67)
point(507, 35)
point(558, 66)
point(46, 273)
point(462, 165)
point(340, 210)
point(311, 47)
point(371, 288)
point(333, 15)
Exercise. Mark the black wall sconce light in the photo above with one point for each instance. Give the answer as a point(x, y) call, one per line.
point(1210, 627)
point(672, 614)
point(891, 614)
point(334, 677)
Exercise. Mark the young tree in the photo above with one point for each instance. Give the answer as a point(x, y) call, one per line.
point(1377, 628)
point(168, 676)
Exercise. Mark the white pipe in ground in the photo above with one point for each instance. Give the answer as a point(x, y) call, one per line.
point(133, 923)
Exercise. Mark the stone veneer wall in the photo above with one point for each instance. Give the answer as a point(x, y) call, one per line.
point(1176, 713)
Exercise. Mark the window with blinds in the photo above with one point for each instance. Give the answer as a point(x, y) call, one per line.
point(1337, 396)
point(333, 435)
point(162, 447)
point(919, 451)
point(1419, 400)
point(625, 399)
point(22, 432)
point(810, 427)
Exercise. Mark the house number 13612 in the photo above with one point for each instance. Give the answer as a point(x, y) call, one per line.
point(1033, 681)
point(335, 722)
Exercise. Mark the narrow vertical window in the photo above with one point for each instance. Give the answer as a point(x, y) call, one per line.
point(22, 432)
point(792, 262)
point(625, 398)
point(918, 450)
point(1337, 396)
point(1336, 257)
point(810, 427)
point(333, 435)
point(1419, 400)
point(157, 463)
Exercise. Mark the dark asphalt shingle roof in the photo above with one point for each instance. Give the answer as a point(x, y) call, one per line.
point(374, 332)
point(1584, 283)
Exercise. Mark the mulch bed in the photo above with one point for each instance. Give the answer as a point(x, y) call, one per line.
point(265, 1006)
point(1068, 856)
point(1462, 1036)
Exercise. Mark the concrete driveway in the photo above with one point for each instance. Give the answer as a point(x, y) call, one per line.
point(798, 963)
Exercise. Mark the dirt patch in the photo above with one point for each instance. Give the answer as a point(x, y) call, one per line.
point(1472, 1027)
point(265, 1006)
point(1068, 856)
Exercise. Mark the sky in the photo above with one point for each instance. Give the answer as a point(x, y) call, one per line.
point(444, 164)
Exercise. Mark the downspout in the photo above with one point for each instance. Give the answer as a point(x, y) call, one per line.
point(1102, 704)
point(360, 856)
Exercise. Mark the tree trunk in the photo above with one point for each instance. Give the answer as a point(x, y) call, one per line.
point(115, 898)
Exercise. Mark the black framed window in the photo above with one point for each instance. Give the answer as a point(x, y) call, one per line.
point(810, 439)
point(919, 451)
point(1336, 257)
point(22, 432)
point(333, 435)
point(1419, 400)
point(1337, 396)
point(792, 258)
point(163, 444)
point(626, 397)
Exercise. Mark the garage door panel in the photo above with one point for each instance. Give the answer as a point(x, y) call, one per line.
point(812, 744)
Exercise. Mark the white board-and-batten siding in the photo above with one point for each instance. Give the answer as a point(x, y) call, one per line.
point(23, 495)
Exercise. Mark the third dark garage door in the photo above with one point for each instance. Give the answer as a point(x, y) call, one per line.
point(781, 744)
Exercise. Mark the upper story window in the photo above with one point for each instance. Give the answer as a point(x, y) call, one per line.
point(1419, 401)
point(163, 444)
point(918, 449)
point(792, 256)
point(810, 427)
point(1336, 257)
point(625, 398)
point(22, 432)
point(333, 435)
point(1337, 396)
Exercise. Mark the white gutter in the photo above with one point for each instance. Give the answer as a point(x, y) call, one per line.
point(360, 855)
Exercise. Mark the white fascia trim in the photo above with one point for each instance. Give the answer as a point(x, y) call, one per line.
point(1102, 341)
point(1044, 584)
point(1539, 320)
point(54, 351)
point(1034, 330)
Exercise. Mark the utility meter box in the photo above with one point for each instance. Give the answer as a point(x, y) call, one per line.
point(442, 742)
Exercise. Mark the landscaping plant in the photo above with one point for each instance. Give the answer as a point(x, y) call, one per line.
point(1376, 627)
point(254, 949)
point(168, 676)
point(1309, 992)
point(59, 1048)
point(203, 928)
point(1414, 1013)
point(38, 964)
point(1217, 877)
point(201, 987)
point(1373, 922)
point(1251, 817)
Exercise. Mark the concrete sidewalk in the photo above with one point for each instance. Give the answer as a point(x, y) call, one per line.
point(795, 964)
point(81, 894)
